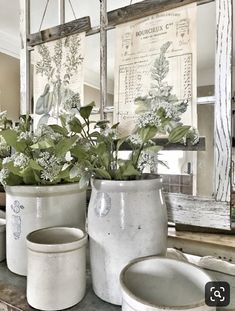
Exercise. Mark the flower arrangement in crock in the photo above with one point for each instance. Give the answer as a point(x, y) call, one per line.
point(36, 177)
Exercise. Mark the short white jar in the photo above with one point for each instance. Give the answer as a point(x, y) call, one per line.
point(56, 276)
point(2, 239)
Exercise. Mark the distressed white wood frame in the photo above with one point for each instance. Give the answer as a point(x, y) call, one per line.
point(183, 209)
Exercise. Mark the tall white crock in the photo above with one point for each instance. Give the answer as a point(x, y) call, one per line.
point(126, 220)
point(29, 208)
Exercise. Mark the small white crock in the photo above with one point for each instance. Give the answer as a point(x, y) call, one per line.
point(2, 239)
point(56, 277)
point(157, 283)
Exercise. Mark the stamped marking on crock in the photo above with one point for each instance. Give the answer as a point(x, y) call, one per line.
point(16, 226)
point(103, 204)
point(16, 207)
point(16, 219)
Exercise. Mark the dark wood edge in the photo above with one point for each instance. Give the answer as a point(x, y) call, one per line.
point(115, 17)
point(200, 146)
point(146, 8)
point(76, 26)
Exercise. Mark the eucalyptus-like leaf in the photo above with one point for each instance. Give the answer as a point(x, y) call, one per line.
point(85, 111)
point(64, 146)
point(59, 129)
point(147, 133)
point(154, 149)
point(11, 137)
point(101, 173)
point(178, 133)
point(75, 125)
point(43, 143)
point(130, 170)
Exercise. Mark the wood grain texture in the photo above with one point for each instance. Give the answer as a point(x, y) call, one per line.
point(223, 102)
point(103, 57)
point(76, 26)
point(145, 8)
point(24, 57)
point(196, 211)
point(201, 244)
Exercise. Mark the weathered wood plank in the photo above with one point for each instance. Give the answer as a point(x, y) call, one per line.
point(76, 26)
point(24, 57)
point(198, 211)
point(200, 146)
point(103, 57)
point(223, 102)
point(146, 8)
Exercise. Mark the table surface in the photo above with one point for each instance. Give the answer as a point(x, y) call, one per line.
point(13, 298)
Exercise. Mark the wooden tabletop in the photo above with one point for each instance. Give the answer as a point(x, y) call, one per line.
point(203, 244)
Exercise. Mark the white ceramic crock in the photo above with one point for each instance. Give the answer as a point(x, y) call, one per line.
point(2, 239)
point(157, 283)
point(56, 276)
point(126, 220)
point(29, 208)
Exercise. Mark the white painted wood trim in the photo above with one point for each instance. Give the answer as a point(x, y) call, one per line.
point(24, 57)
point(103, 57)
point(223, 102)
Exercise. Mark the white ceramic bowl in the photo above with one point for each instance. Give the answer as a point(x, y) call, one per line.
point(2, 239)
point(157, 283)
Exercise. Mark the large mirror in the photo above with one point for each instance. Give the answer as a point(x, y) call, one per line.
point(190, 172)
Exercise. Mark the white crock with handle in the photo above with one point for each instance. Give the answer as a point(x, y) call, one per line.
point(157, 284)
point(29, 208)
point(126, 220)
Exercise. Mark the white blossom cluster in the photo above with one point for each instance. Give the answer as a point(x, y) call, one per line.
point(4, 148)
point(146, 159)
point(72, 102)
point(51, 165)
point(26, 137)
point(149, 118)
point(135, 139)
point(19, 160)
point(4, 173)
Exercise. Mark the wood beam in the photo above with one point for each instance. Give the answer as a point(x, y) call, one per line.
point(24, 57)
point(60, 31)
point(223, 100)
point(146, 8)
point(114, 18)
point(103, 57)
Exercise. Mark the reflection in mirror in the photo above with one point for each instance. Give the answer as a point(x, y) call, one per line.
point(192, 172)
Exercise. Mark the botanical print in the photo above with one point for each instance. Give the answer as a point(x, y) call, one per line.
point(58, 78)
point(156, 65)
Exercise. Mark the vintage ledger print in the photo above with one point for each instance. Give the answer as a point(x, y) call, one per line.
point(139, 45)
point(58, 78)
